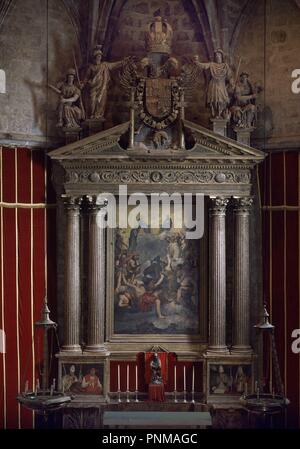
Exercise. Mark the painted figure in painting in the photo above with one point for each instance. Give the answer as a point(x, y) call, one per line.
point(223, 382)
point(91, 383)
point(156, 281)
point(240, 380)
point(69, 379)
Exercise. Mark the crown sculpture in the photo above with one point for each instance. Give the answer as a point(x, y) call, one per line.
point(159, 36)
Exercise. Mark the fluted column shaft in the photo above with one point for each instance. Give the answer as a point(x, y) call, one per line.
point(241, 312)
point(217, 306)
point(96, 276)
point(72, 275)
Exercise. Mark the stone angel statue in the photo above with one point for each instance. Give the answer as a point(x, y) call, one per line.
point(70, 109)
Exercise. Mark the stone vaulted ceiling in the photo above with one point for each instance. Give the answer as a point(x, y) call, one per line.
point(220, 21)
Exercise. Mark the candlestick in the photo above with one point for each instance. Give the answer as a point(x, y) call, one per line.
point(127, 393)
point(184, 384)
point(136, 378)
point(127, 377)
point(193, 379)
point(175, 380)
point(119, 386)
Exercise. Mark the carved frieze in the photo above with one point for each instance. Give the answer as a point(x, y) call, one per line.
point(157, 176)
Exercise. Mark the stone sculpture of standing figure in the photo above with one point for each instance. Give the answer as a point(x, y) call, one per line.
point(217, 94)
point(97, 78)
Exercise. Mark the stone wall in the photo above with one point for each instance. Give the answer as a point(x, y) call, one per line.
point(33, 52)
point(270, 52)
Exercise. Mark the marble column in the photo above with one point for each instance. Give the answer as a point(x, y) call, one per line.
point(217, 287)
point(72, 275)
point(96, 276)
point(241, 312)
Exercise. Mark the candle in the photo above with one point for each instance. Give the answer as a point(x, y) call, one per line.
point(119, 386)
point(193, 379)
point(37, 384)
point(175, 378)
point(26, 386)
point(54, 382)
point(127, 377)
point(136, 378)
point(184, 379)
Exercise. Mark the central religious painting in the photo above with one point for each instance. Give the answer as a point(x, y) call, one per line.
point(158, 281)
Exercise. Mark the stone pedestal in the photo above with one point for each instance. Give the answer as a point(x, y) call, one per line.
point(93, 126)
point(217, 286)
point(96, 276)
point(72, 276)
point(220, 126)
point(241, 312)
point(71, 134)
point(243, 135)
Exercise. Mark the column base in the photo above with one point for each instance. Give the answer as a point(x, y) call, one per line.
point(217, 350)
point(95, 348)
point(71, 348)
point(241, 350)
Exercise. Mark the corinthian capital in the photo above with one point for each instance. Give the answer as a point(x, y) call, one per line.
point(92, 204)
point(72, 202)
point(243, 204)
point(218, 205)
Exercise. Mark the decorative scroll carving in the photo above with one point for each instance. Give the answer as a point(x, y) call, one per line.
point(193, 176)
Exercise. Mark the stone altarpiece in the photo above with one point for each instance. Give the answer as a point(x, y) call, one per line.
point(156, 151)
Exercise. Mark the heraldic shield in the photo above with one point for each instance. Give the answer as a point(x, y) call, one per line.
point(158, 97)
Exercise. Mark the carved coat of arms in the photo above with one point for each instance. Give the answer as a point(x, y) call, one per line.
point(158, 99)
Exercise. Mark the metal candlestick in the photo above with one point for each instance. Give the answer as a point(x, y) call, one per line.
point(119, 396)
point(184, 396)
point(175, 396)
point(127, 396)
point(136, 396)
point(193, 397)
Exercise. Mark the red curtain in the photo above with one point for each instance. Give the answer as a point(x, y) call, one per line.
point(26, 223)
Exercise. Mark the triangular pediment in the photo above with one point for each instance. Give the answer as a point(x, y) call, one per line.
point(210, 145)
point(207, 146)
point(100, 145)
